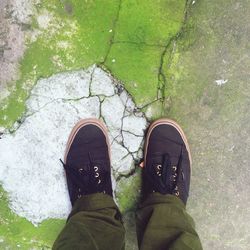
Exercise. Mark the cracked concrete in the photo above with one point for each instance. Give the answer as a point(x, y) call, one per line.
point(204, 71)
point(162, 79)
point(34, 146)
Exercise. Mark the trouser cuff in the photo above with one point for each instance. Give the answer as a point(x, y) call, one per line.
point(158, 198)
point(93, 202)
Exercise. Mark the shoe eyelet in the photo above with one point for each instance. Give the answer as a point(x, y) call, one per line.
point(96, 168)
point(173, 178)
point(177, 193)
point(99, 181)
point(97, 175)
point(79, 195)
point(159, 167)
point(174, 168)
point(80, 170)
point(158, 173)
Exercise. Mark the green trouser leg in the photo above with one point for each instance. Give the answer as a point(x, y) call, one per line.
point(94, 223)
point(163, 223)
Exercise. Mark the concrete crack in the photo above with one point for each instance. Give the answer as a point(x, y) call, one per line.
point(140, 43)
point(111, 41)
point(28, 113)
point(162, 78)
point(132, 133)
point(122, 121)
point(128, 175)
point(100, 108)
point(90, 81)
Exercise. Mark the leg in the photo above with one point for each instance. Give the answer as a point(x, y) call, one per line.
point(163, 223)
point(162, 220)
point(95, 221)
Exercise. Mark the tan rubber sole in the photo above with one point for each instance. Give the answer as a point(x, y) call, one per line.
point(82, 123)
point(173, 124)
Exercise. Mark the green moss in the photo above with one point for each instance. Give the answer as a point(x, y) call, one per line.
point(71, 41)
point(15, 230)
point(150, 22)
point(79, 35)
point(127, 191)
point(137, 66)
point(155, 110)
point(142, 32)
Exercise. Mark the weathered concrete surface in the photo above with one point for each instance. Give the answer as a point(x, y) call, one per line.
point(209, 86)
point(206, 70)
point(30, 154)
point(15, 17)
point(129, 38)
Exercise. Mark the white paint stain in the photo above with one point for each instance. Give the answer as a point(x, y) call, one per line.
point(221, 81)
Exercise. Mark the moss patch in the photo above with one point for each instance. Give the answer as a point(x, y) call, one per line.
point(149, 22)
point(128, 191)
point(137, 66)
point(143, 32)
point(65, 40)
point(128, 38)
point(18, 233)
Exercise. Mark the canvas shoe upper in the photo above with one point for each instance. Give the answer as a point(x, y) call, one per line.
point(167, 163)
point(87, 160)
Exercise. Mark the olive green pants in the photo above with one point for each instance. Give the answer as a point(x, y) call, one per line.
point(95, 223)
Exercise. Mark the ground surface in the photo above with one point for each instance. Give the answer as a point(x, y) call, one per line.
point(185, 60)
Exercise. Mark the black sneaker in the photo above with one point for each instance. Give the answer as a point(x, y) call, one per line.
point(167, 163)
point(87, 160)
